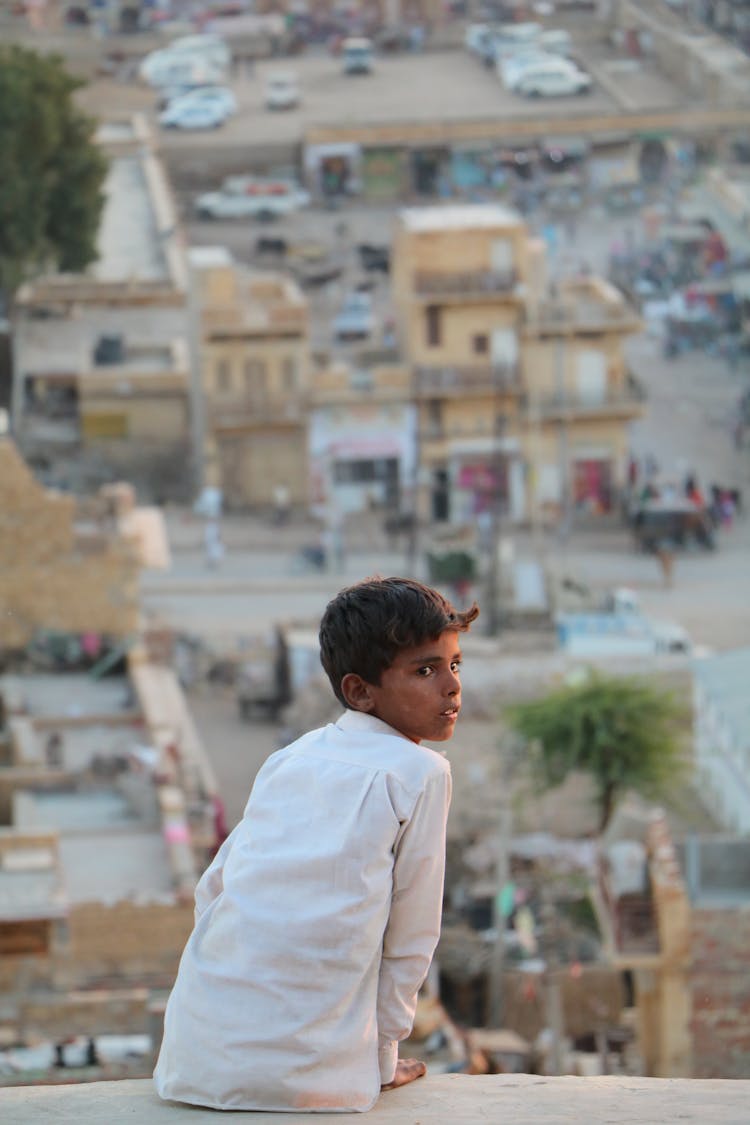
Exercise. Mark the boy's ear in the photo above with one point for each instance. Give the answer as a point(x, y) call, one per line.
point(356, 692)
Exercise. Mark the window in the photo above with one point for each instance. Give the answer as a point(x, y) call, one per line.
point(289, 373)
point(372, 471)
point(223, 376)
point(254, 374)
point(434, 335)
point(481, 344)
point(434, 416)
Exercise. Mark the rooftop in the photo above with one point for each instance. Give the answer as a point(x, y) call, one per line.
point(435, 1100)
point(64, 344)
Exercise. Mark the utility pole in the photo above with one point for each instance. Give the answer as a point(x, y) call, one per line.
point(502, 876)
point(562, 436)
point(412, 548)
point(494, 577)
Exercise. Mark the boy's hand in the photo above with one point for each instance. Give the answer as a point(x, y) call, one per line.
point(407, 1070)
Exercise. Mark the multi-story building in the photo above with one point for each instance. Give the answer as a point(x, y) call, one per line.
point(254, 371)
point(101, 363)
point(522, 388)
point(362, 436)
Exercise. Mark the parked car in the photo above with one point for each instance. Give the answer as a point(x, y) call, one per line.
point(194, 115)
point(192, 58)
point(555, 79)
point(250, 197)
point(219, 96)
point(183, 69)
point(357, 55)
point(356, 319)
point(512, 68)
point(281, 90)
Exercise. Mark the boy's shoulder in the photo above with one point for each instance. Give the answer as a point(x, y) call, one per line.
point(360, 740)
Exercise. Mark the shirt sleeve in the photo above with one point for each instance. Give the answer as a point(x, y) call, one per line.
point(211, 883)
point(413, 925)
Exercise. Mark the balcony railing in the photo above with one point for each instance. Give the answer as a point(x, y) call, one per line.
point(232, 414)
point(479, 379)
point(626, 398)
point(476, 282)
point(581, 315)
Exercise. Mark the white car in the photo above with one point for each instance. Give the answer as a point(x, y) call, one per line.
point(244, 197)
point(553, 81)
point(195, 115)
point(281, 91)
point(356, 319)
point(208, 51)
point(174, 68)
point(220, 97)
point(512, 68)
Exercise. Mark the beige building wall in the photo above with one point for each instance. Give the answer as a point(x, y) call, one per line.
point(531, 384)
point(53, 576)
point(254, 366)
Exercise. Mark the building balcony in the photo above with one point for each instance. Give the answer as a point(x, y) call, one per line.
point(464, 285)
point(625, 401)
point(525, 1099)
point(233, 415)
point(475, 379)
point(580, 313)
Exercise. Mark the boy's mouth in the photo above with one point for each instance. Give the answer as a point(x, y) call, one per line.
point(451, 711)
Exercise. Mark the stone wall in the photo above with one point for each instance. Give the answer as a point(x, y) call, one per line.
point(126, 941)
point(720, 981)
point(52, 576)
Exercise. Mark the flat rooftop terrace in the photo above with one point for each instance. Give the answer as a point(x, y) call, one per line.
point(65, 345)
point(444, 1099)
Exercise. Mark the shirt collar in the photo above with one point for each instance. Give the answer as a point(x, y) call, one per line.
point(361, 722)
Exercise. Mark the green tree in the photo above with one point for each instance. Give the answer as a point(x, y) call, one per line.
point(51, 196)
point(623, 732)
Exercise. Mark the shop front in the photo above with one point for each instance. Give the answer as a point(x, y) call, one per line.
point(430, 171)
point(593, 482)
point(384, 174)
point(333, 170)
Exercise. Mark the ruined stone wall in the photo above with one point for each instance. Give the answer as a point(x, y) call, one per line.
point(51, 577)
point(720, 982)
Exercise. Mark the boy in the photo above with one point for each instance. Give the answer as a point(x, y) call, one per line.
point(317, 920)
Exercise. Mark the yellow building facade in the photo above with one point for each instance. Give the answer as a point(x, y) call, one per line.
point(522, 388)
point(254, 376)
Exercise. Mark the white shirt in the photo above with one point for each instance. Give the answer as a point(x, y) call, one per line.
point(315, 927)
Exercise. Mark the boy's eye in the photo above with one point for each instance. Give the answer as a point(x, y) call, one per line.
point(455, 666)
point(426, 670)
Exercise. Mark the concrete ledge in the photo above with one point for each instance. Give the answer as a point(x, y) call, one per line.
point(443, 1099)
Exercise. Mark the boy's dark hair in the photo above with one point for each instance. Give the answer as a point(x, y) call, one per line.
point(366, 625)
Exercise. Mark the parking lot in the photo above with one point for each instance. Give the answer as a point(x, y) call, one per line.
point(433, 88)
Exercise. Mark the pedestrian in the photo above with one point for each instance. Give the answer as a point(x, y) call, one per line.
point(317, 920)
point(726, 509)
point(213, 544)
point(281, 503)
point(665, 555)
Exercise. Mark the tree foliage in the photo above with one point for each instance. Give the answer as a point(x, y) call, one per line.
point(51, 196)
point(623, 732)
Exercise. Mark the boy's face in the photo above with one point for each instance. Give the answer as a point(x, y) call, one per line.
point(420, 694)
